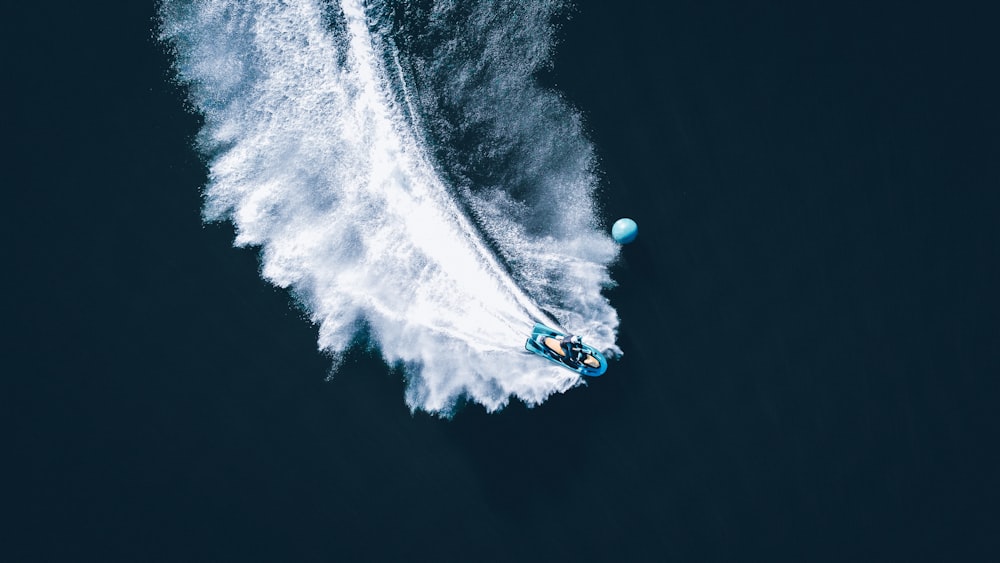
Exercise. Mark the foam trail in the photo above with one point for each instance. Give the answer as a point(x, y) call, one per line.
point(313, 161)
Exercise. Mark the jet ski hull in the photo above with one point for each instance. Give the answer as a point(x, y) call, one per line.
point(536, 344)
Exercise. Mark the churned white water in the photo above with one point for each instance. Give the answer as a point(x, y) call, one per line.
point(318, 155)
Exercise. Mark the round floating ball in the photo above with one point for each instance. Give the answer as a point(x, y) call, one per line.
point(624, 231)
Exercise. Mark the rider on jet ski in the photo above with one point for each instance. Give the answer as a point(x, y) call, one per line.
point(566, 350)
point(572, 347)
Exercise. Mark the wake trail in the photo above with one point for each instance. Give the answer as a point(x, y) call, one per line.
point(313, 159)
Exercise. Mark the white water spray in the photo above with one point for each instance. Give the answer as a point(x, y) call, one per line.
point(312, 160)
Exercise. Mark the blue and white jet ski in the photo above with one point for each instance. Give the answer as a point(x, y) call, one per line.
point(566, 350)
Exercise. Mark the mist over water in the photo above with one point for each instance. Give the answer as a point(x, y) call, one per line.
point(402, 173)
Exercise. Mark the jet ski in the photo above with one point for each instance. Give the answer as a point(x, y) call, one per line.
point(566, 350)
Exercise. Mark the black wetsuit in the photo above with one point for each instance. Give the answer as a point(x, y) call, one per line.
point(573, 348)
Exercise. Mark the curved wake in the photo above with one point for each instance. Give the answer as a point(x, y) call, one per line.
point(368, 207)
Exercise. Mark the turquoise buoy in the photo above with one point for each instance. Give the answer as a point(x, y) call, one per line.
point(624, 231)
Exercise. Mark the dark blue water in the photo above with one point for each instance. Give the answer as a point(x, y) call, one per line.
point(809, 317)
